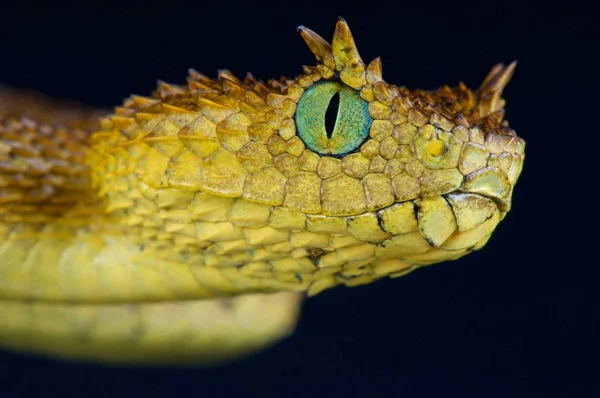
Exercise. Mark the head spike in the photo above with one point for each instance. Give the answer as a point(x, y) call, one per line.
point(199, 77)
point(318, 46)
point(166, 90)
point(498, 78)
point(490, 91)
point(250, 79)
point(344, 48)
point(227, 74)
point(374, 71)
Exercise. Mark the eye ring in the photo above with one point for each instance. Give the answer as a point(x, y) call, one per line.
point(352, 123)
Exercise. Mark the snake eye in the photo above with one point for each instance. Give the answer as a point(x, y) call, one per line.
point(327, 130)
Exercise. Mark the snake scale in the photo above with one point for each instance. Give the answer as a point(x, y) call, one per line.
point(187, 226)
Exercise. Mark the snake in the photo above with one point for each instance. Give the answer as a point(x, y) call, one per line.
point(189, 225)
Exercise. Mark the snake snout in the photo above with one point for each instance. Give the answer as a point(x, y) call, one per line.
point(491, 163)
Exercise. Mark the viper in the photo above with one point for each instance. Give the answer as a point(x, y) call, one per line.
point(187, 226)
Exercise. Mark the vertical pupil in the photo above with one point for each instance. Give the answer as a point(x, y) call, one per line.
point(331, 114)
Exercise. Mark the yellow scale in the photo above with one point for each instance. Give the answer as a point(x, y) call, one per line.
point(188, 225)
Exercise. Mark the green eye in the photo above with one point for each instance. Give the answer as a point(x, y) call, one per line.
point(329, 136)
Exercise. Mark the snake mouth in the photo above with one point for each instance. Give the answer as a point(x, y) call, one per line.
point(503, 204)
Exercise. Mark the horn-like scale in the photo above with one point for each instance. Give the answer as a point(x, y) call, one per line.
point(197, 202)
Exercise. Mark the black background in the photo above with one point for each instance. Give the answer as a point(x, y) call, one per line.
point(519, 318)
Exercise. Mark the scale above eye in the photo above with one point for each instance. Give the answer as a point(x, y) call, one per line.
point(332, 119)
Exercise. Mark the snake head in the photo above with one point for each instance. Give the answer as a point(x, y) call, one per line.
point(355, 177)
point(429, 143)
point(448, 155)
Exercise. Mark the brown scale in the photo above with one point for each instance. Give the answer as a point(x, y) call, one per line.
point(42, 162)
point(18, 104)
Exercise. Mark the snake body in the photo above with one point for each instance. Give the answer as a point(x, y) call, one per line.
point(186, 226)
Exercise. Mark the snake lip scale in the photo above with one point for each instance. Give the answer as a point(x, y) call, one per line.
point(187, 226)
